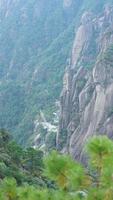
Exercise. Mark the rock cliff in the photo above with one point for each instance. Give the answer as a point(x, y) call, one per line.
point(87, 95)
point(35, 41)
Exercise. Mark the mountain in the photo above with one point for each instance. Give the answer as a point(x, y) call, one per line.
point(87, 95)
point(36, 39)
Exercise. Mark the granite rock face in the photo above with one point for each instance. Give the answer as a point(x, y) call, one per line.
point(87, 95)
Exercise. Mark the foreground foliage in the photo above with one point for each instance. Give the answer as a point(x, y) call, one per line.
point(25, 165)
point(67, 179)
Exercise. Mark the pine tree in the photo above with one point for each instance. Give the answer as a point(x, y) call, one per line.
point(69, 179)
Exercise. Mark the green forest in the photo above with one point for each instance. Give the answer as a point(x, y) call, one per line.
point(27, 174)
point(56, 100)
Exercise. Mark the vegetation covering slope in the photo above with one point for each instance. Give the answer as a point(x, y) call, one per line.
point(23, 165)
point(33, 55)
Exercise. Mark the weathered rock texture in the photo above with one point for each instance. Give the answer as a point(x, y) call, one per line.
point(87, 95)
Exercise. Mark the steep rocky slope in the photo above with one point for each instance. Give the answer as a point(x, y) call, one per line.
point(87, 95)
point(36, 39)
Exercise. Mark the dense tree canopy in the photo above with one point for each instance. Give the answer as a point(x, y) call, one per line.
point(27, 175)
